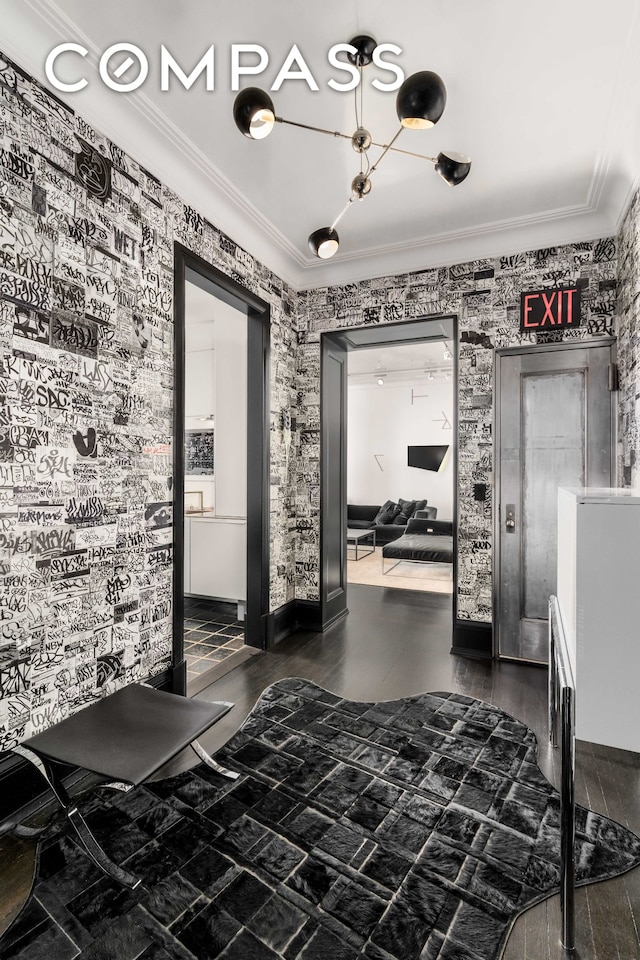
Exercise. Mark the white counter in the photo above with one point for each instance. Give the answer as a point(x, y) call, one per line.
point(599, 596)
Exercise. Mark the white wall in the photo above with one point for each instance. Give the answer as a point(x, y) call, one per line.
point(230, 437)
point(200, 402)
point(382, 420)
point(216, 384)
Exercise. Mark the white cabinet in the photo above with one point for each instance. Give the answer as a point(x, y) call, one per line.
point(218, 558)
point(599, 596)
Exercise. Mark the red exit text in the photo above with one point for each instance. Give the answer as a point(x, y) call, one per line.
point(550, 309)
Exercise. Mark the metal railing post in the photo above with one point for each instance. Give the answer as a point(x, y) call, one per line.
point(562, 714)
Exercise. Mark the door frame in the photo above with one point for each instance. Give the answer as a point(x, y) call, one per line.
point(258, 350)
point(520, 350)
point(334, 605)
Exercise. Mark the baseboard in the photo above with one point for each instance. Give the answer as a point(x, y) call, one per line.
point(298, 615)
point(471, 639)
point(309, 615)
point(20, 783)
point(282, 622)
point(162, 681)
point(176, 678)
point(340, 615)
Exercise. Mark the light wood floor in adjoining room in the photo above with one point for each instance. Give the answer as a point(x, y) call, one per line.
point(395, 643)
point(407, 575)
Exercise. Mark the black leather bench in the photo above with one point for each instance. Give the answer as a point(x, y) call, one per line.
point(125, 738)
point(426, 541)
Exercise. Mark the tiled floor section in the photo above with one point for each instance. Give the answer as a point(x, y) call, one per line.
point(210, 638)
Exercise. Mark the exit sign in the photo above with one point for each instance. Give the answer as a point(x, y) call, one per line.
point(550, 309)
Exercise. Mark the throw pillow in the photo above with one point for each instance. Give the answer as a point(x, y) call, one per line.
point(406, 510)
point(387, 512)
point(420, 505)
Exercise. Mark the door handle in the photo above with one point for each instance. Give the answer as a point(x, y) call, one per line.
point(510, 522)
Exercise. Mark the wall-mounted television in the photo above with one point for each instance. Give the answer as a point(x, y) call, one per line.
point(427, 458)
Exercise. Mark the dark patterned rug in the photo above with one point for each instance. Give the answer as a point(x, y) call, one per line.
point(410, 828)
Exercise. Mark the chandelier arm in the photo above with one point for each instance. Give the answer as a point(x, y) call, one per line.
point(342, 213)
point(360, 119)
point(407, 153)
point(388, 146)
point(306, 126)
point(345, 136)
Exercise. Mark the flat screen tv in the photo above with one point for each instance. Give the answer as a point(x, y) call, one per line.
point(426, 458)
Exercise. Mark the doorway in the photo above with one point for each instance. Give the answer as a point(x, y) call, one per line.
point(554, 428)
point(237, 507)
point(335, 347)
point(399, 435)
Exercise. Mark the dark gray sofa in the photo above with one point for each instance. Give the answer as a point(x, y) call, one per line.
point(361, 517)
point(424, 541)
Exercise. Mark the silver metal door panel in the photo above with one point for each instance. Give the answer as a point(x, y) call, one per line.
point(553, 428)
point(553, 456)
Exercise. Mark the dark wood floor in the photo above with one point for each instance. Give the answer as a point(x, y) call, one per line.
point(396, 643)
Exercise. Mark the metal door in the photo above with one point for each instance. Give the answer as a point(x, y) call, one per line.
point(554, 429)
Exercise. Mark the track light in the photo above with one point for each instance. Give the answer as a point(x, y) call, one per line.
point(447, 354)
point(421, 100)
point(254, 113)
point(380, 381)
point(420, 103)
point(324, 242)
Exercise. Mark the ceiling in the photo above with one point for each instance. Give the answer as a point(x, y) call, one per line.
point(544, 97)
point(400, 362)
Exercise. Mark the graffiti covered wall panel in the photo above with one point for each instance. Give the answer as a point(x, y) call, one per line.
point(86, 406)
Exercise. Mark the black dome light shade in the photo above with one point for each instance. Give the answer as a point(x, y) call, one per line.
point(453, 167)
point(365, 46)
point(324, 242)
point(254, 113)
point(421, 100)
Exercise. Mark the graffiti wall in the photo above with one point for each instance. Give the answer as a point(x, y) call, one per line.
point(86, 405)
point(485, 294)
point(629, 347)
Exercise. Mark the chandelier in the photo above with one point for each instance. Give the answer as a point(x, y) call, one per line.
point(420, 103)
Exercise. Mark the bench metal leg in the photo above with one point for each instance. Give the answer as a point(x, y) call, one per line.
point(389, 569)
point(211, 763)
point(77, 821)
point(117, 785)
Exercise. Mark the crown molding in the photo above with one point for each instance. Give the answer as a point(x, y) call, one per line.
point(161, 147)
point(149, 136)
point(502, 238)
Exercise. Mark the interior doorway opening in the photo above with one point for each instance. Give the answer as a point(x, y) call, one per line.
point(215, 494)
point(399, 463)
point(221, 545)
point(338, 542)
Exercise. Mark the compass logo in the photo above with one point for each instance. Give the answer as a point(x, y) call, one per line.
point(124, 67)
